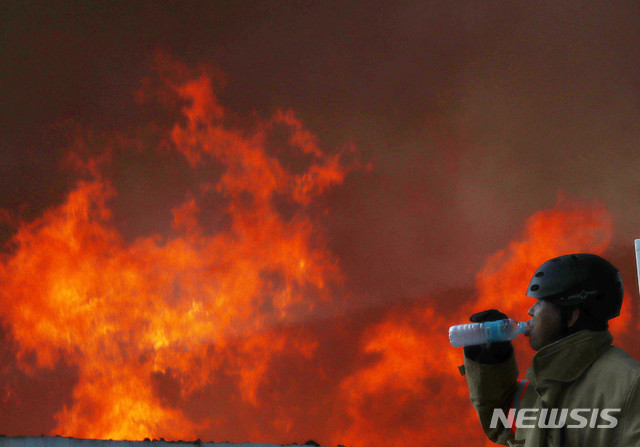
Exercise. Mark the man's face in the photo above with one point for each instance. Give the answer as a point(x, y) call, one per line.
point(546, 325)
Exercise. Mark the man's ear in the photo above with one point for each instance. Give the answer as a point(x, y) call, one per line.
point(575, 313)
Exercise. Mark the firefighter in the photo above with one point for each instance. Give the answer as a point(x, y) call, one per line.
point(575, 371)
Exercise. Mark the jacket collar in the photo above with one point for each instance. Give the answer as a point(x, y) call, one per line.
point(565, 360)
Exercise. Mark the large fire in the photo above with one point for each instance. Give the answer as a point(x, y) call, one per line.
point(244, 331)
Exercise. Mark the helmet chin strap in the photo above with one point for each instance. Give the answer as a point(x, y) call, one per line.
point(584, 321)
point(565, 316)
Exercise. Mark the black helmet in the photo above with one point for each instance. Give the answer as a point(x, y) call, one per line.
point(583, 280)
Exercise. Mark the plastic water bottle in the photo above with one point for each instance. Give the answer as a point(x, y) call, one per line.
point(487, 332)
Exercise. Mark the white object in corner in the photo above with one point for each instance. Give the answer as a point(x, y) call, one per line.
point(637, 241)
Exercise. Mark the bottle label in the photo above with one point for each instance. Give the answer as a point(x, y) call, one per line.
point(493, 331)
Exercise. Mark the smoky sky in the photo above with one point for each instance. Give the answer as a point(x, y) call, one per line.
point(473, 115)
point(466, 119)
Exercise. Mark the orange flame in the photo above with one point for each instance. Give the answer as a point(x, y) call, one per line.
point(181, 307)
point(561, 230)
point(240, 332)
point(412, 392)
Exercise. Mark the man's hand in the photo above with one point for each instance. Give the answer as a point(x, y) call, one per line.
point(487, 315)
point(489, 353)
